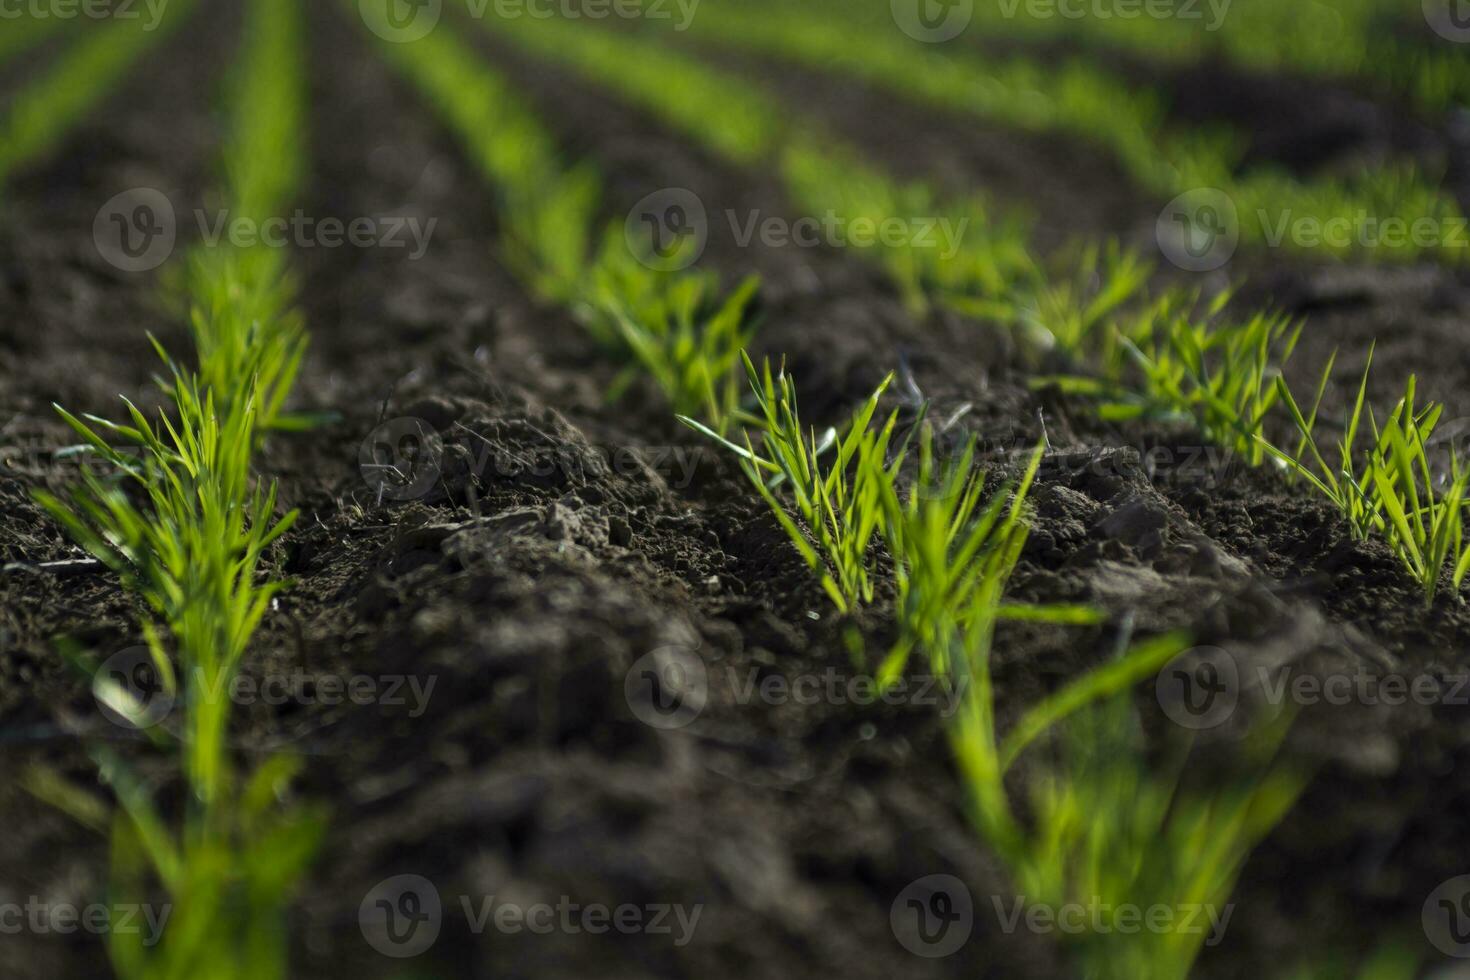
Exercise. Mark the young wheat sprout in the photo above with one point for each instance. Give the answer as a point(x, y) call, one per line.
point(839, 500)
point(1105, 821)
point(946, 547)
point(1388, 489)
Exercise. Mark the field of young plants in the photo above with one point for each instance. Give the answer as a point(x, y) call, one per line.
point(734, 488)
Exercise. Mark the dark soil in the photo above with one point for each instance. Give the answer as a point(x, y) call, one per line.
point(556, 544)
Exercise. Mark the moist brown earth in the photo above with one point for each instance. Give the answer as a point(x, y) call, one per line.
point(551, 546)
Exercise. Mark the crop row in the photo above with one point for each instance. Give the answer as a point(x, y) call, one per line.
point(1083, 99)
point(1385, 43)
point(186, 525)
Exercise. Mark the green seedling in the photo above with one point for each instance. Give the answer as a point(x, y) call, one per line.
point(194, 551)
point(1109, 825)
point(1389, 488)
point(681, 334)
point(200, 871)
point(946, 546)
point(1425, 528)
point(230, 874)
point(1073, 314)
point(944, 550)
point(1220, 373)
point(1113, 824)
point(1349, 490)
point(1170, 362)
point(192, 546)
point(838, 499)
